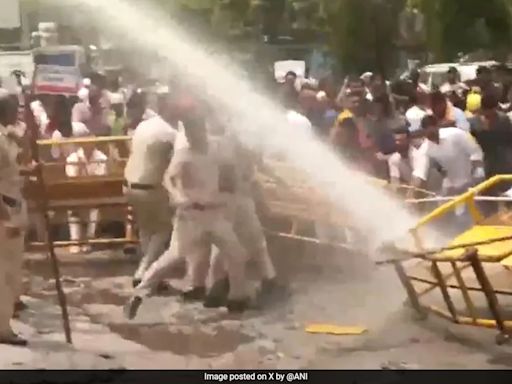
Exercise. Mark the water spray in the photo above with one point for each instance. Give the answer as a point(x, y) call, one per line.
point(261, 124)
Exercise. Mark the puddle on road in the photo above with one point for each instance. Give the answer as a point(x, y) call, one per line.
point(181, 340)
point(193, 341)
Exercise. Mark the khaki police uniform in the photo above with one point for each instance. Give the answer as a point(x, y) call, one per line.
point(202, 221)
point(151, 152)
point(245, 219)
point(11, 248)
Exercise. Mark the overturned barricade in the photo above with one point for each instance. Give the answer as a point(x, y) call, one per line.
point(476, 261)
point(291, 207)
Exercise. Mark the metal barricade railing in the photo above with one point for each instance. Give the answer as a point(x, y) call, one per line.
point(83, 193)
point(289, 197)
point(470, 254)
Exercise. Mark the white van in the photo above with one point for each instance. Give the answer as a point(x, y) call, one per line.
point(435, 74)
point(58, 69)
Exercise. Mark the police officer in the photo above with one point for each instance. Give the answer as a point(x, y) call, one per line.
point(193, 179)
point(151, 152)
point(12, 221)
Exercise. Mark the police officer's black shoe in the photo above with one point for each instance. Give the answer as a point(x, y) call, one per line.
point(269, 286)
point(237, 306)
point(132, 307)
point(194, 294)
point(217, 295)
point(13, 339)
point(220, 289)
point(214, 302)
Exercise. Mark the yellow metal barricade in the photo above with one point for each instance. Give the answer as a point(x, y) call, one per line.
point(486, 244)
point(82, 193)
point(294, 207)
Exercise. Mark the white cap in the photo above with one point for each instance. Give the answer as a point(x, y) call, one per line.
point(86, 82)
point(366, 75)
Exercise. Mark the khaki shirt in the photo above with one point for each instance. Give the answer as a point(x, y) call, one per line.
point(10, 179)
point(151, 152)
point(202, 171)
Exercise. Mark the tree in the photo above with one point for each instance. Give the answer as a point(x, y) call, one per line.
point(455, 26)
point(362, 33)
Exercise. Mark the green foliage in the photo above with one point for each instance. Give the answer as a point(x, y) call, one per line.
point(362, 33)
point(466, 25)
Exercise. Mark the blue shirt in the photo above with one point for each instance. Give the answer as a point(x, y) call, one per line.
point(461, 121)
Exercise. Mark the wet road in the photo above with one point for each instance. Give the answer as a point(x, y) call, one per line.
point(323, 286)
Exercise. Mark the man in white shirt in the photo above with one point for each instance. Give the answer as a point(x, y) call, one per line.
point(13, 221)
point(418, 111)
point(85, 161)
point(299, 121)
point(456, 152)
point(151, 153)
point(195, 182)
point(406, 159)
point(296, 112)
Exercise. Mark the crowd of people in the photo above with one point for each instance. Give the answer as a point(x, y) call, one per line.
point(444, 139)
point(191, 183)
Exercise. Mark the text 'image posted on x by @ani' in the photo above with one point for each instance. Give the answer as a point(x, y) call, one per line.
point(277, 377)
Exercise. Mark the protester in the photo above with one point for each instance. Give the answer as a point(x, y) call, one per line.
point(453, 83)
point(420, 107)
point(446, 113)
point(117, 119)
point(493, 132)
point(485, 82)
point(85, 161)
point(408, 158)
point(473, 104)
point(61, 127)
point(344, 139)
point(460, 159)
point(455, 151)
point(94, 112)
point(296, 112)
